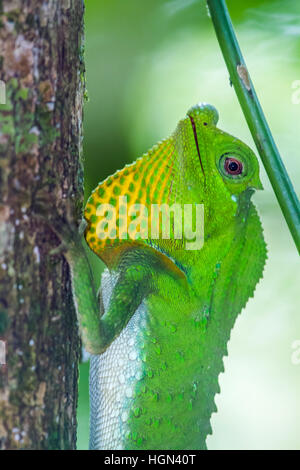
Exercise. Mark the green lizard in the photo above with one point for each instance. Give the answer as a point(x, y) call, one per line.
point(160, 329)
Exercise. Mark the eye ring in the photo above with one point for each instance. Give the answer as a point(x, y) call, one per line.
point(233, 166)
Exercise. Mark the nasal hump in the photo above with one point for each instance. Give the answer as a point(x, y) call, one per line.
point(205, 112)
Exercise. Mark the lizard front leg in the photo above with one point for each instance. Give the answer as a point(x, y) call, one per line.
point(98, 329)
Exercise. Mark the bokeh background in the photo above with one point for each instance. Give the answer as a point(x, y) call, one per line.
point(147, 63)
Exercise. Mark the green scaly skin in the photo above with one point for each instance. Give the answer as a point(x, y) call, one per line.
point(192, 298)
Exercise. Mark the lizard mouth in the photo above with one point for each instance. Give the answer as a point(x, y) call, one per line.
point(197, 144)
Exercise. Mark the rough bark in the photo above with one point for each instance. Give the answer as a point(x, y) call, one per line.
point(42, 67)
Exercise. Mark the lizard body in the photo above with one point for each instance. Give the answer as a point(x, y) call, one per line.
point(167, 310)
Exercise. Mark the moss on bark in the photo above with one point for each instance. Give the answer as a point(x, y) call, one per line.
point(42, 66)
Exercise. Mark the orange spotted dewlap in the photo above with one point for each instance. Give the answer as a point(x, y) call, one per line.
point(119, 209)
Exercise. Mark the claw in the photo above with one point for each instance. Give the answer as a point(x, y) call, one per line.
point(83, 225)
point(59, 250)
point(65, 230)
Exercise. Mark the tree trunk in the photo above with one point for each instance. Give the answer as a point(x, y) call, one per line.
point(42, 70)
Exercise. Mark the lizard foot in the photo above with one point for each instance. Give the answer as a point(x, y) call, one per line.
point(43, 208)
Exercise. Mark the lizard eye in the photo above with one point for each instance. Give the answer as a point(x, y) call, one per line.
point(233, 166)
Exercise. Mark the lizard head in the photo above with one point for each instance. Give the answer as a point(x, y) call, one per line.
point(220, 170)
point(197, 164)
point(222, 156)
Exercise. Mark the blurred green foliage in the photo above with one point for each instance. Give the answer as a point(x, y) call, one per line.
point(147, 63)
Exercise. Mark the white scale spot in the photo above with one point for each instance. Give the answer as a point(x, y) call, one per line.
point(133, 355)
point(138, 375)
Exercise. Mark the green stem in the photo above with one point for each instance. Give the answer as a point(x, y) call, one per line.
point(254, 115)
